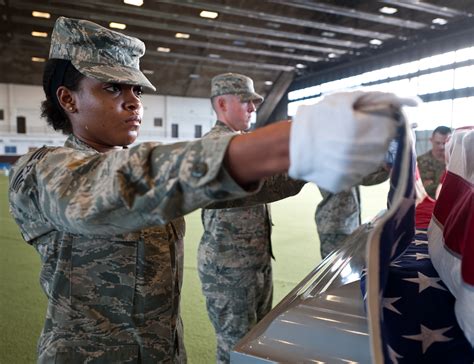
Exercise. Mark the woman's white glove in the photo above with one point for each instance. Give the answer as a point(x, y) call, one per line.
point(344, 137)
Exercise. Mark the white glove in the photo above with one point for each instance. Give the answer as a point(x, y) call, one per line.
point(343, 138)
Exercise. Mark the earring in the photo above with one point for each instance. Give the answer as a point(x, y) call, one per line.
point(71, 108)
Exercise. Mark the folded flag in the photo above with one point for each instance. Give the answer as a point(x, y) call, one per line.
point(451, 230)
point(410, 310)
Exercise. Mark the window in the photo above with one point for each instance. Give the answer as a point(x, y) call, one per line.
point(464, 54)
point(10, 149)
point(2, 117)
point(21, 125)
point(158, 122)
point(463, 77)
point(435, 113)
point(445, 86)
point(197, 131)
point(435, 82)
point(292, 106)
point(174, 130)
point(437, 60)
point(462, 112)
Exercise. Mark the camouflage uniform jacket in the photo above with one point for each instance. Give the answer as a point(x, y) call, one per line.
point(339, 213)
point(238, 237)
point(431, 171)
point(109, 230)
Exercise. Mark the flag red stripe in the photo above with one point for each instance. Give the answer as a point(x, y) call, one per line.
point(454, 210)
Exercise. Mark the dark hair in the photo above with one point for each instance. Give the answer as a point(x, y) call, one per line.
point(63, 70)
point(443, 130)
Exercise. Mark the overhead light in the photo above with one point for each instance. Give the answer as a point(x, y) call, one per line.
point(300, 66)
point(439, 21)
point(273, 25)
point(39, 34)
point(39, 14)
point(194, 75)
point(133, 2)
point(208, 14)
point(239, 42)
point(440, 10)
point(163, 49)
point(213, 55)
point(289, 50)
point(332, 55)
point(388, 10)
point(328, 34)
point(38, 59)
point(268, 83)
point(148, 72)
point(117, 25)
point(375, 42)
point(182, 35)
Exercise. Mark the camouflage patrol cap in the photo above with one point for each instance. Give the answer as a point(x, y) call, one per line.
point(234, 84)
point(98, 52)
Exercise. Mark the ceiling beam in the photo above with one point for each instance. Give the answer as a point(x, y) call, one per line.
point(233, 62)
point(86, 14)
point(178, 56)
point(273, 98)
point(225, 25)
point(279, 19)
point(351, 13)
point(443, 11)
point(235, 49)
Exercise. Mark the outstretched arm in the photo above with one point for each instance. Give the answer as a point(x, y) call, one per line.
point(262, 153)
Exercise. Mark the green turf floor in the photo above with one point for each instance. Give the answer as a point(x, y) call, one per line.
point(296, 248)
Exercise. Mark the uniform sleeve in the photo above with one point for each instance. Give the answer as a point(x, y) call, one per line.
point(122, 191)
point(274, 188)
point(379, 176)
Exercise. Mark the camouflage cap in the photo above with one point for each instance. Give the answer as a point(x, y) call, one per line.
point(98, 52)
point(234, 84)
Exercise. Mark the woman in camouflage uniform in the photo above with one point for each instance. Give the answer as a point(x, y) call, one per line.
point(107, 219)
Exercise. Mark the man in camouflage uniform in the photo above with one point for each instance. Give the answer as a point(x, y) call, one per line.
point(338, 215)
point(432, 164)
point(234, 255)
point(108, 223)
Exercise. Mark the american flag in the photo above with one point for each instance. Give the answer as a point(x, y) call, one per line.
point(410, 310)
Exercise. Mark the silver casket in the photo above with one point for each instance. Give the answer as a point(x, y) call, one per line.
point(321, 320)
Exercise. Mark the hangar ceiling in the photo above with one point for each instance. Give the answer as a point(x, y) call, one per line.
point(272, 41)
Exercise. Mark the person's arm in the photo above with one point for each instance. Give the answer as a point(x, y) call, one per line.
point(262, 153)
point(151, 184)
point(84, 192)
point(274, 188)
point(379, 176)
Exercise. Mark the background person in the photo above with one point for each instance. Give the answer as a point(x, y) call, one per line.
point(338, 215)
point(234, 255)
point(432, 164)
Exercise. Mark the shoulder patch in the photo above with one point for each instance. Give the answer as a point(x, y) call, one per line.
point(20, 177)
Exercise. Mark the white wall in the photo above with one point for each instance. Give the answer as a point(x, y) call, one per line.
point(21, 100)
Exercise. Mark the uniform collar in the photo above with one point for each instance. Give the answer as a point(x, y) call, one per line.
point(222, 125)
point(73, 142)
